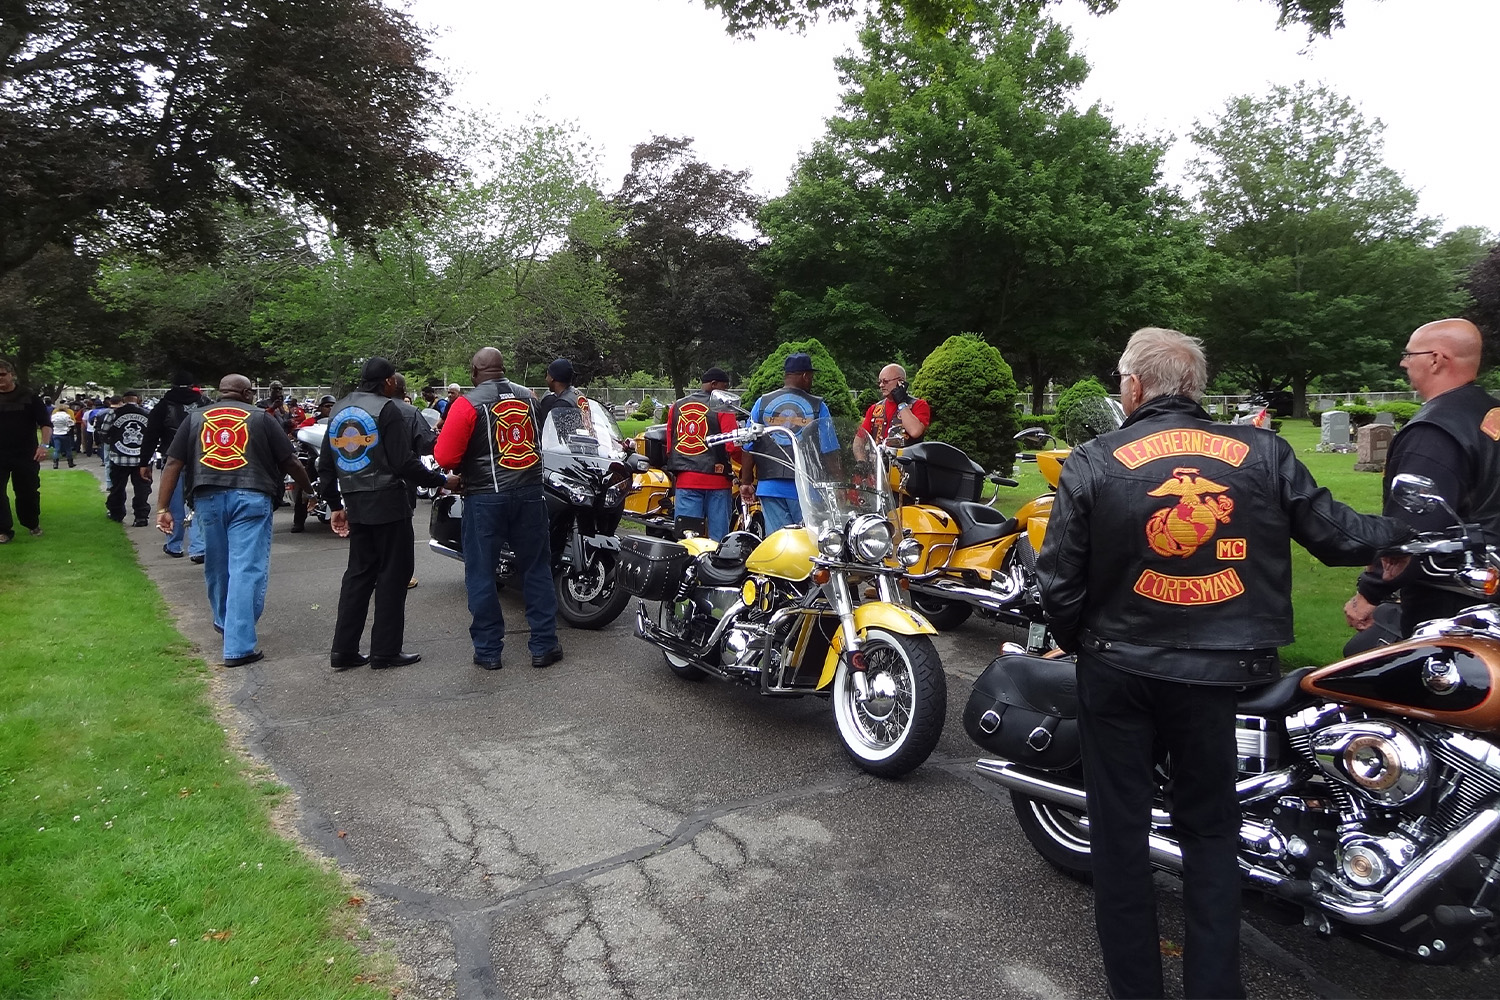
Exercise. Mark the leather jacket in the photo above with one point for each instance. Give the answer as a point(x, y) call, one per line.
point(1174, 534)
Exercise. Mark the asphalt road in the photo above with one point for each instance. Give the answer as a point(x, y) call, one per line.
point(603, 829)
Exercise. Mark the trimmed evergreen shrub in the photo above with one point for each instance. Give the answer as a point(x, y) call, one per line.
point(828, 379)
point(1071, 415)
point(972, 393)
point(1403, 410)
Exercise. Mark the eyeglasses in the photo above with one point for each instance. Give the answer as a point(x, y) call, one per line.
point(1117, 374)
point(887, 381)
point(1412, 354)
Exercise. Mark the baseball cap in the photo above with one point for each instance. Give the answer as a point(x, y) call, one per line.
point(799, 362)
point(715, 375)
point(561, 369)
point(376, 369)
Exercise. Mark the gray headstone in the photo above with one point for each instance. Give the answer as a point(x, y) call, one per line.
point(1335, 431)
point(1373, 444)
point(1386, 418)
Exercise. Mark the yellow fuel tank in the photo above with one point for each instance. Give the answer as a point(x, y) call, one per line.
point(787, 554)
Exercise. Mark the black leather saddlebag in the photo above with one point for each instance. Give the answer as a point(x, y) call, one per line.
point(652, 568)
point(1025, 709)
point(443, 526)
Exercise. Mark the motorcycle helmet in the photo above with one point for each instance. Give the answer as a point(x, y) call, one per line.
point(734, 549)
point(326, 400)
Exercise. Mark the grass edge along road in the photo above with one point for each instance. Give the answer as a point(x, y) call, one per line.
point(137, 856)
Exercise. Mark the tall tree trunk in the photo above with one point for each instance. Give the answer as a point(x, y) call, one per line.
point(1038, 382)
point(1299, 394)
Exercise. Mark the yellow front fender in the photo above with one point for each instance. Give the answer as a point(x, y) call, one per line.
point(876, 614)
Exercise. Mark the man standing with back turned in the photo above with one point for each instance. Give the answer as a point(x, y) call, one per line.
point(233, 456)
point(490, 436)
point(366, 462)
point(1167, 569)
point(1454, 440)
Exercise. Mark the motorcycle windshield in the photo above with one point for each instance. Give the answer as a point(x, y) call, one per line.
point(838, 476)
point(1093, 417)
point(586, 432)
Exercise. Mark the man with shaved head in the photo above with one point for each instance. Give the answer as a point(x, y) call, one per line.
point(1454, 440)
point(232, 457)
point(490, 436)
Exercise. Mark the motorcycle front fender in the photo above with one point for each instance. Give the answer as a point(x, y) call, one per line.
point(875, 614)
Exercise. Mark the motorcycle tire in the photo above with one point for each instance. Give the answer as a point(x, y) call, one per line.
point(595, 600)
point(682, 668)
point(896, 730)
point(944, 615)
point(1056, 833)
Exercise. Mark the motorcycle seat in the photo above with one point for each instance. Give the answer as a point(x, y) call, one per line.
point(1272, 698)
point(712, 575)
point(977, 522)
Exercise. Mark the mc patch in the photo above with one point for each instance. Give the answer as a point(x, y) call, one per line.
point(1490, 425)
point(352, 434)
point(225, 438)
point(515, 434)
point(690, 433)
point(1230, 549)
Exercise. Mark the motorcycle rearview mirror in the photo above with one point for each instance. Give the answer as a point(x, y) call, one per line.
point(730, 399)
point(1419, 495)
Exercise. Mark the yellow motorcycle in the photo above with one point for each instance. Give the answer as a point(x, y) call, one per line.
point(649, 501)
point(783, 615)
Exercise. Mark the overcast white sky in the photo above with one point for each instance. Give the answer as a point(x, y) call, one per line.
point(627, 69)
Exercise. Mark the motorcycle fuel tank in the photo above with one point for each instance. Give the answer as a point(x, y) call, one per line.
point(787, 554)
point(1453, 680)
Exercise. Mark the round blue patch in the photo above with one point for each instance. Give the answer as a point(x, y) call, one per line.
point(352, 434)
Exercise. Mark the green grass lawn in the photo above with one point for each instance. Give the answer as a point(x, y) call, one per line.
point(1318, 591)
point(136, 854)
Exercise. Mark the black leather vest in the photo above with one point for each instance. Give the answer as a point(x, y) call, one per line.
point(127, 433)
point(1472, 417)
point(785, 407)
point(354, 436)
point(504, 451)
point(692, 419)
point(228, 438)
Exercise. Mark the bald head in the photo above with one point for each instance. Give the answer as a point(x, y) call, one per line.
point(1442, 355)
point(487, 364)
point(236, 387)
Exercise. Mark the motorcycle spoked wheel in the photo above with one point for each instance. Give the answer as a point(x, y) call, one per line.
point(1056, 833)
point(944, 615)
point(679, 666)
point(897, 729)
point(592, 597)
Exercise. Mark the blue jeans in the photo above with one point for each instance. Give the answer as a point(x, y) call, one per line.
point(779, 512)
point(693, 503)
point(236, 530)
point(490, 522)
point(180, 530)
point(62, 448)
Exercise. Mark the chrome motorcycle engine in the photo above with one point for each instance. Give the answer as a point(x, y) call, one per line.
point(1383, 761)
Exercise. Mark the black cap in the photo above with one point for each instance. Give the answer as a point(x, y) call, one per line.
point(376, 370)
point(181, 378)
point(798, 362)
point(131, 392)
point(715, 375)
point(327, 401)
point(561, 370)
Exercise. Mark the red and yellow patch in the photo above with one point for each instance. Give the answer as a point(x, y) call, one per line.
point(689, 436)
point(1212, 589)
point(1182, 441)
point(1229, 549)
point(515, 434)
point(1491, 424)
point(225, 439)
point(1179, 530)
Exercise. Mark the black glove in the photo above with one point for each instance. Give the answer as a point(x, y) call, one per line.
point(899, 394)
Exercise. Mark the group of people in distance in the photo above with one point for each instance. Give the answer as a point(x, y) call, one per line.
point(1159, 661)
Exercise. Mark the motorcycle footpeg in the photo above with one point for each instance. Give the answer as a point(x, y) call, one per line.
point(1296, 890)
point(1462, 916)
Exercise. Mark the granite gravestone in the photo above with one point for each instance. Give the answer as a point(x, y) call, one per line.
point(1374, 441)
point(1335, 431)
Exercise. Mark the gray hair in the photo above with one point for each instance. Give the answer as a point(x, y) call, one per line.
point(1166, 362)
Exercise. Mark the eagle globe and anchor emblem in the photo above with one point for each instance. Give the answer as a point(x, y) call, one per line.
point(1180, 529)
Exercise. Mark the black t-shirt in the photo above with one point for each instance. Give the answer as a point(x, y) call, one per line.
point(21, 413)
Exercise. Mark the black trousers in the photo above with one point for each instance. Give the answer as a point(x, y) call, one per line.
point(1122, 716)
point(119, 476)
point(24, 476)
point(1422, 604)
point(380, 563)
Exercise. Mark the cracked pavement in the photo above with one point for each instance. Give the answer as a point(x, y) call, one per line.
point(602, 829)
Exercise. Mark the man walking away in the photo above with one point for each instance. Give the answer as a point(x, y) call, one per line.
point(234, 457)
point(1167, 569)
point(125, 436)
point(161, 427)
point(367, 461)
point(702, 474)
point(490, 436)
point(22, 416)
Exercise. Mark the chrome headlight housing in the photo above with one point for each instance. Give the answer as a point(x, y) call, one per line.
point(870, 538)
point(909, 552)
point(831, 543)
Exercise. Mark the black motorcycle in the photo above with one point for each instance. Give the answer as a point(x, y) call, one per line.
point(587, 474)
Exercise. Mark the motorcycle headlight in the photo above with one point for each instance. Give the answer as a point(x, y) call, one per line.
point(831, 543)
point(909, 552)
point(870, 538)
point(612, 496)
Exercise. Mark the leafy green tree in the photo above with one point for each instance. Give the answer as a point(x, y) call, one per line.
point(686, 284)
point(1323, 259)
point(828, 379)
point(1072, 410)
point(1483, 285)
point(48, 330)
point(147, 115)
point(958, 189)
point(973, 397)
